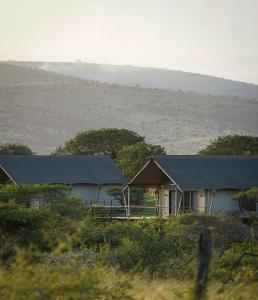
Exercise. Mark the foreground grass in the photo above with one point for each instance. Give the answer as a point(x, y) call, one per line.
point(71, 281)
point(174, 290)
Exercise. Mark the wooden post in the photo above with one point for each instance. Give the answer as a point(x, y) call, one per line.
point(99, 187)
point(205, 252)
point(211, 203)
point(176, 202)
point(125, 204)
point(158, 208)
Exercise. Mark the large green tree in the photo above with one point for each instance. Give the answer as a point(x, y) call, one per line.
point(130, 159)
point(232, 145)
point(15, 149)
point(103, 141)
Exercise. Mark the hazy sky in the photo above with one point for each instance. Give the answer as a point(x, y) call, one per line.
point(217, 37)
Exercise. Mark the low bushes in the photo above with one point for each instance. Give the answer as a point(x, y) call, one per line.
point(43, 227)
point(57, 251)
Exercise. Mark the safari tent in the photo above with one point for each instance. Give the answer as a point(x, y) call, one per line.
point(90, 177)
point(187, 183)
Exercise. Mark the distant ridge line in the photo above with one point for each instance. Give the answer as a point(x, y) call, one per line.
point(148, 77)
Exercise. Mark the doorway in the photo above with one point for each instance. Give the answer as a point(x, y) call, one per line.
point(170, 202)
point(187, 202)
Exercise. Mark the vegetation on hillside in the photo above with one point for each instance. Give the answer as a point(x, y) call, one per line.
point(59, 107)
point(57, 251)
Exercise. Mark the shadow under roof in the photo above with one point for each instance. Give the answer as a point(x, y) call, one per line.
point(193, 172)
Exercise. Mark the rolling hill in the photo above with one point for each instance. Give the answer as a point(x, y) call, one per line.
point(43, 109)
point(149, 78)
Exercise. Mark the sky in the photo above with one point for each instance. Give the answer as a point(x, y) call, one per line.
point(215, 37)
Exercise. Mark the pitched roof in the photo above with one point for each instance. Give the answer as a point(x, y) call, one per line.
point(85, 169)
point(192, 172)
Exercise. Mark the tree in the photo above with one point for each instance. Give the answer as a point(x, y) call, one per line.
point(29, 193)
point(132, 158)
point(247, 199)
point(15, 149)
point(250, 194)
point(232, 145)
point(136, 195)
point(103, 141)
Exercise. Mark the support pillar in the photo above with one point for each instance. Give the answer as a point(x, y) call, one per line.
point(128, 201)
point(176, 202)
point(98, 196)
point(125, 205)
point(180, 202)
point(211, 202)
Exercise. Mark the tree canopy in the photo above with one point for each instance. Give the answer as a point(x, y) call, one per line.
point(232, 145)
point(103, 141)
point(15, 149)
point(132, 158)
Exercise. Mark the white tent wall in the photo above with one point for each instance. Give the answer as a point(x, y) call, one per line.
point(94, 194)
point(222, 201)
point(202, 201)
point(212, 201)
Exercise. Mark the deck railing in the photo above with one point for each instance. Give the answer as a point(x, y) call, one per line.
point(139, 212)
point(121, 212)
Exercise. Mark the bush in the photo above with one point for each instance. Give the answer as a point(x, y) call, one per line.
point(58, 251)
point(19, 226)
point(43, 226)
point(30, 194)
point(226, 230)
point(158, 247)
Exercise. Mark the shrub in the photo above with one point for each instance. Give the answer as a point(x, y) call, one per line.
point(31, 193)
point(19, 226)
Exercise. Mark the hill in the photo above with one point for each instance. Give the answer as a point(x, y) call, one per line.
point(150, 78)
point(43, 109)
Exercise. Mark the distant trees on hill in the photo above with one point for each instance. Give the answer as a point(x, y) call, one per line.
point(232, 145)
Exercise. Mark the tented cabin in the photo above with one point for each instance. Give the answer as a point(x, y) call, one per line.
point(89, 177)
point(187, 183)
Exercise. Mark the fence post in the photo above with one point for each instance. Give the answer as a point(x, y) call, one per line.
point(205, 252)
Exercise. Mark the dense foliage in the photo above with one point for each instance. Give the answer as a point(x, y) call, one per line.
point(250, 194)
point(232, 145)
point(103, 141)
point(57, 251)
point(15, 149)
point(137, 195)
point(29, 194)
point(132, 158)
